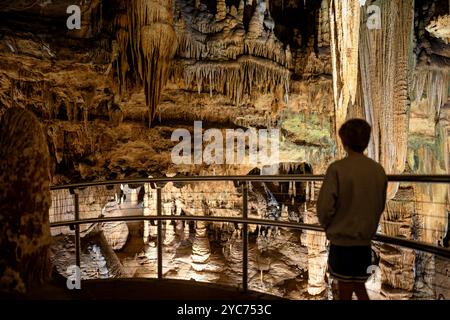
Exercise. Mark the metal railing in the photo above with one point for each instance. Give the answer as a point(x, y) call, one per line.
point(268, 178)
point(242, 182)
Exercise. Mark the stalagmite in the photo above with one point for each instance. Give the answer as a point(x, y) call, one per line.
point(256, 26)
point(169, 235)
point(24, 202)
point(200, 247)
point(324, 25)
point(186, 231)
point(241, 8)
point(221, 10)
point(149, 209)
point(289, 59)
point(317, 256)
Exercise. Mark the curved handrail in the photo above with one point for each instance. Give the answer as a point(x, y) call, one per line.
point(412, 244)
point(268, 178)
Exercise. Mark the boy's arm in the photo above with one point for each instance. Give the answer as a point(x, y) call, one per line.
point(326, 203)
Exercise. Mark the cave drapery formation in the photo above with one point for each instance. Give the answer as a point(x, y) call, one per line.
point(344, 29)
point(303, 66)
point(147, 44)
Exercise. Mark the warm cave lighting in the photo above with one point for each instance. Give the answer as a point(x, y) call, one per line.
point(225, 150)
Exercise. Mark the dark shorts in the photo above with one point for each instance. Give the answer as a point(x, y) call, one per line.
point(350, 263)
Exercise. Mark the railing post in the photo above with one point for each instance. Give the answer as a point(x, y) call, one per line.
point(245, 237)
point(159, 240)
point(77, 231)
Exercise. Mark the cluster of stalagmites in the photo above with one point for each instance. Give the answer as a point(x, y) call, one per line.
point(218, 54)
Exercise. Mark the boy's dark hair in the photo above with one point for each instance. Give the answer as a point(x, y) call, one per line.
point(355, 134)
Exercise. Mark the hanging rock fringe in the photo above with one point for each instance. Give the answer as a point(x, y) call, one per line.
point(147, 44)
point(234, 79)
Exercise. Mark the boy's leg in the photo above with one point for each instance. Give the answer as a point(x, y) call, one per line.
point(345, 290)
point(360, 291)
point(335, 289)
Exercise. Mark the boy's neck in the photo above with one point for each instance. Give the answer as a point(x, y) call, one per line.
point(352, 154)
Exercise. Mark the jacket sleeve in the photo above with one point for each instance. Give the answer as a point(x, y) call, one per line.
point(326, 203)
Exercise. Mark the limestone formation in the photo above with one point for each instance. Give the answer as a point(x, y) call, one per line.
point(440, 28)
point(116, 234)
point(253, 57)
point(200, 247)
point(221, 8)
point(147, 32)
point(398, 264)
point(299, 66)
point(24, 202)
point(385, 86)
point(317, 256)
point(344, 41)
point(324, 27)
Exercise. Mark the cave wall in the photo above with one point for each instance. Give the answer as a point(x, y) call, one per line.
point(261, 64)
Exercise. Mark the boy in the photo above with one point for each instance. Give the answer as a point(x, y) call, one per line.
point(349, 207)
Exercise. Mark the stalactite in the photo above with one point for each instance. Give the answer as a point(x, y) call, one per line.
point(436, 82)
point(344, 22)
point(384, 59)
point(271, 49)
point(151, 41)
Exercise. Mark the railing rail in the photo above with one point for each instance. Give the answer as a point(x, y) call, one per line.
point(271, 178)
point(244, 220)
point(412, 244)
